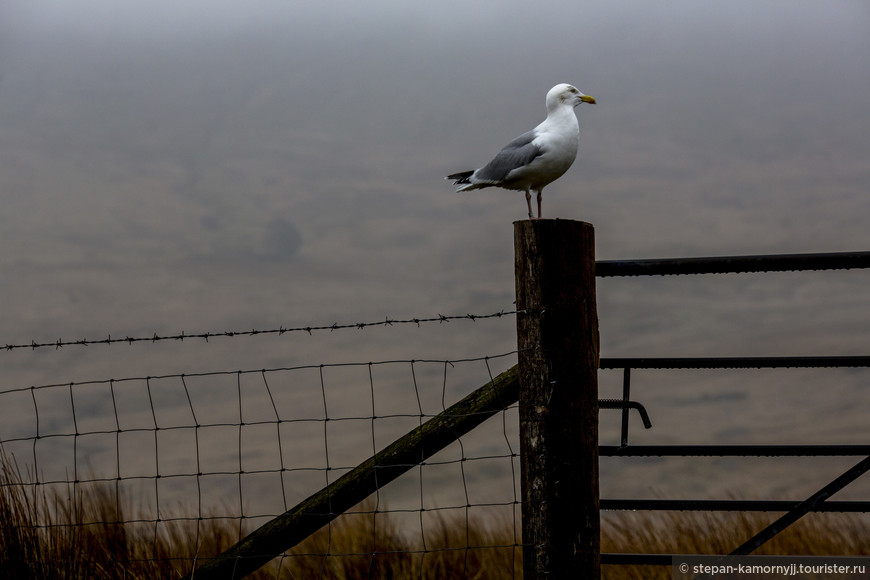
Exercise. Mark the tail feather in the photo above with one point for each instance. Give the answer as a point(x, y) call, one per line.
point(461, 177)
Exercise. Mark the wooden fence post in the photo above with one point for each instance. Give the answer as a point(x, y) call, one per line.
point(557, 335)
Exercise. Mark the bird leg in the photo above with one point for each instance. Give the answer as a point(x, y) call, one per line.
point(540, 192)
point(529, 203)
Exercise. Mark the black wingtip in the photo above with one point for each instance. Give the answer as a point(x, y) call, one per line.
point(461, 177)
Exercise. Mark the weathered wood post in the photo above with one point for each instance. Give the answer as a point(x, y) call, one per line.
point(557, 335)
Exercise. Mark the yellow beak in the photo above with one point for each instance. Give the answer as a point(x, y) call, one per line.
point(587, 99)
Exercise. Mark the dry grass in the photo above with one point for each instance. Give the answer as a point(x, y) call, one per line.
point(82, 534)
point(818, 534)
point(375, 548)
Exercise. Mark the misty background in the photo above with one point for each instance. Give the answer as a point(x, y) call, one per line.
point(216, 166)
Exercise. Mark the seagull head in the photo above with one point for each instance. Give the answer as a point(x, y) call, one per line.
point(564, 94)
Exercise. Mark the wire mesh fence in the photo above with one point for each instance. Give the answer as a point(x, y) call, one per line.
point(184, 465)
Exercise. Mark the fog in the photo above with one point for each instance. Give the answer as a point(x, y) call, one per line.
point(208, 167)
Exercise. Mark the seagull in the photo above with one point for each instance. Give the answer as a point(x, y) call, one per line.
point(536, 158)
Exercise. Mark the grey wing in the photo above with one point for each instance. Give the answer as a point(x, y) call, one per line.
point(516, 154)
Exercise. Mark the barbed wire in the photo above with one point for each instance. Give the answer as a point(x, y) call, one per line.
point(281, 330)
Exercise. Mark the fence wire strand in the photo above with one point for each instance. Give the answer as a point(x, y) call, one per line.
point(281, 330)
